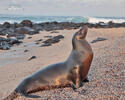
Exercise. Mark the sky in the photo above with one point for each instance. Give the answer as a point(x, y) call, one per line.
point(64, 7)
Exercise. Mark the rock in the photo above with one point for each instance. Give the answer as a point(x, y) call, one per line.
point(39, 40)
point(4, 31)
point(33, 57)
point(37, 43)
point(25, 30)
point(17, 35)
point(98, 39)
point(58, 37)
point(27, 23)
point(47, 44)
point(29, 37)
point(47, 36)
point(54, 31)
point(123, 24)
point(13, 41)
point(52, 40)
point(16, 25)
point(37, 27)
point(4, 45)
point(20, 36)
point(6, 25)
point(26, 50)
point(2, 39)
point(110, 23)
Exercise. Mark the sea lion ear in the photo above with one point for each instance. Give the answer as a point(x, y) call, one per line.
point(81, 34)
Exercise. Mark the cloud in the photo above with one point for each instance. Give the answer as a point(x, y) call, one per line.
point(64, 7)
point(14, 8)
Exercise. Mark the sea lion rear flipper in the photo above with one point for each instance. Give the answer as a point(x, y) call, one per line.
point(12, 96)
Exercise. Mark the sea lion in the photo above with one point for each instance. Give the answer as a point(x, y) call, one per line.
point(70, 72)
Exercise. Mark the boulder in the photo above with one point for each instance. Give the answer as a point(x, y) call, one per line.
point(25, 30)
point(13, 41)
point(27, 23)
point(17, 35)
point(4, 45)
point(5, 31)
point(37, 27)
point(6, 25)
point(2, 39)
point(52, 40)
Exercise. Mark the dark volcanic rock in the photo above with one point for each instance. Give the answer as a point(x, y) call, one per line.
point(6, 25)
point(29, 37)
point(33, 57)
point(54, 31)
point(17, 35)
point(52, 40)
point(27, 23)
point(2, 39)
point(13, 41)
point(37, 27)
point(20, 36)
point(98, 39)
point(39, 40)
point(123, 24)
point(4, 45)
point(47, 36)
point(58, 37)
point(26, 50)
point(5, 31)
point(46, 44)
point(25, 30)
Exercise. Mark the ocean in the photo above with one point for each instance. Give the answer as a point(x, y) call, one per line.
point(75, 19)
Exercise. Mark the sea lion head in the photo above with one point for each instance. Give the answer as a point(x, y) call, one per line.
point(79, 37)
point(81, 34)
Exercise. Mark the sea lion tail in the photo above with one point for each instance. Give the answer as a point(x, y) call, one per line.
point(12, 96)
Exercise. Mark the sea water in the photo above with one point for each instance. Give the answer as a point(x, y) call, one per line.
point(75, 19)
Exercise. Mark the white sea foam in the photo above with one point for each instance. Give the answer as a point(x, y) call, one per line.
point(105, 20)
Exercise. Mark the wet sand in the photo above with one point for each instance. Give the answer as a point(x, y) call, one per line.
point(107, 74)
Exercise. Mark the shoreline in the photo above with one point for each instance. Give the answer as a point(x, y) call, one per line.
point(13, 34)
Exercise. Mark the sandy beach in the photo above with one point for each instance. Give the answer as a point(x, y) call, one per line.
point(107, 73)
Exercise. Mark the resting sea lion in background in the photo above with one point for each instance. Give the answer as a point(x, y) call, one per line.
point(72, 72)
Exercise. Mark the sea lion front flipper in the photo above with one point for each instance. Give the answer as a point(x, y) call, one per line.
point(78, 77)
point(76, 82)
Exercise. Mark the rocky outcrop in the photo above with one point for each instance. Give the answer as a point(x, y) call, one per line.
point(52, 40)
point(19, 30)
point(7, 43)
point(6, 25)
point(25, 30)
point(27, 23)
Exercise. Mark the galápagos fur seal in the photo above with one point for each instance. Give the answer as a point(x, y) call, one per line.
point(71, 72)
